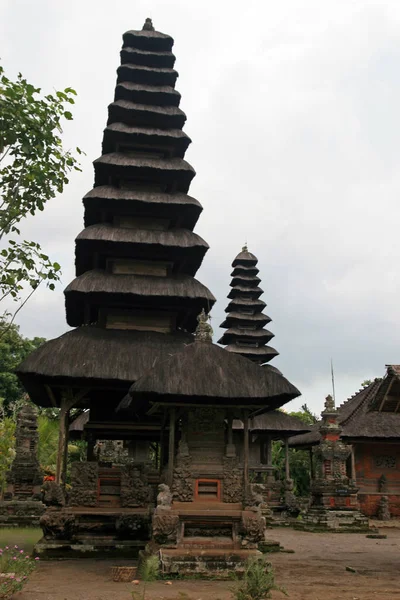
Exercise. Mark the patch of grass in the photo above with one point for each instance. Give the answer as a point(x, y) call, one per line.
point(257, 583)
point(25, 538)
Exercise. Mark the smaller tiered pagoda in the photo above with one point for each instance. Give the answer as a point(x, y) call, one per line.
point(245, 321)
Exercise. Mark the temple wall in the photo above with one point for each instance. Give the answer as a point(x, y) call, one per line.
point(377, 475)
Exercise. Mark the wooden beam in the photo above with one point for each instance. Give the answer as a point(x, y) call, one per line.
point(51, 395)
point(246, 452)
point(386, 394)
point(171, 446)
point(287, 463)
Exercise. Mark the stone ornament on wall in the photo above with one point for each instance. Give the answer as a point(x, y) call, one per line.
point(84, 482)
point(183, 485)
point(135, 527)
point(135, 489)
point(252, 529)
point(232, 485)
point(385, 462)
point(165, 528)
point(57, 524)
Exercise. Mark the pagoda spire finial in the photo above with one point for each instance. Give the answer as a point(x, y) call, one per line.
point(203, 330)
point(148, 25)
point(329, 404)
point(245, 248)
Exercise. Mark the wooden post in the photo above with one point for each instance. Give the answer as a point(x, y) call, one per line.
point(312, 474)
point(353, 464)
point(171, 446)
point(246, 451)
point(62, 439)
point(230, 429)
point(287, 465)
point(268, 453)
point(91, 442)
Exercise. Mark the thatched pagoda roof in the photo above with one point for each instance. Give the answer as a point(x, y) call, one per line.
point(245, 258)
point(172, 170)
point(244, 280)
point(145, 115)
point(246, 291)
point(146, 75)
point(154, 95)
point(244, 270)
point(136, 56)
point(260, 354)
point(89, 355)
point(136, 202)
point(179, 291)
point(275, 423)
point(121, 133)
point(153, 41)
point(237, 317)
point(358, 419)
point(204, 373)
point(234, 333)
point(246, 303)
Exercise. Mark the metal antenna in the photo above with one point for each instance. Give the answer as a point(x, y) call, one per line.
point(333, 383)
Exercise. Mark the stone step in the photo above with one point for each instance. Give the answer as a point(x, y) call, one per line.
point(210, 562)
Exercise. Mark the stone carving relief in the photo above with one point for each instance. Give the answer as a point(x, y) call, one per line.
point(164, 498)
point(385, 462)
point(135, 490)
point(84, 481)
point(53, 494)
point(182, 486)
point(165, 528)
point(56, 524)
point(252, 529)
point(133, 527)
point(232, 487)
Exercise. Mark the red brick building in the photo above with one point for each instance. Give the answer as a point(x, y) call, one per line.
point(370, 422)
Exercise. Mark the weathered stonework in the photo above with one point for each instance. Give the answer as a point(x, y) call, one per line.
point(252, 528)
point(232, 486)
point(84, 482)
point(136, 527)
point(383, 509)
point(21, 513)
point(57, 524)
point(53, 494)
point(182, 486)
point(135, 490)
point(165, 528)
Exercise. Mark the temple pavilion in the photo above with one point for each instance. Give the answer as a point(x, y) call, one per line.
point(140, 360)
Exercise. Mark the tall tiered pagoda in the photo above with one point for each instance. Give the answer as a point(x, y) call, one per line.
point(132, 360)
point(245, 321)
point(134, 298)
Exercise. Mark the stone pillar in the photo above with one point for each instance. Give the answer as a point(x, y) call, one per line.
point(353, 465)
point(246, 452)
point(312, 474)
point(230, 451)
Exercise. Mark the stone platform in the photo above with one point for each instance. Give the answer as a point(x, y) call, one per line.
point(335, 521)
point(21, 513)
point(207, 562)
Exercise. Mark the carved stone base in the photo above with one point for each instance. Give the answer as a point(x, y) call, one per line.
point(21, 513)
point(321, 519)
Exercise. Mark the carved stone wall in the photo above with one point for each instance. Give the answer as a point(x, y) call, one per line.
point(232, 484)
point(84, 482)
point(25, 477)
point(135, 489)
point(183, 482)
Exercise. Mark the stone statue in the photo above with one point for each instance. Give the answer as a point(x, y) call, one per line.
point(383, 509)
point(164, 498)
point(204, 330)
point(329, 404)
point(148, 25)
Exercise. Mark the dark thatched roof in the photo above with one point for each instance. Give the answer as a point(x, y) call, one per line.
point(239, 279)
point(180, 246)
point(180, 208)
point(242, 269)
point(263, 353)
point(246, 303)
point(154, 41)
point(257, 335)
point(148, 75)
point(147, 58)
point(166, 171)
point(206, 373)
point(275, 423)
point(87, 354)
point(140, 93)
point(239, 290)
point(144, 115)
point(358, 421)
point(233, 317)
point(119, 133)
point(245, 258)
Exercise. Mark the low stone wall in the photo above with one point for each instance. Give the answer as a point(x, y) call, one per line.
point(369, 503)
point(21, 513)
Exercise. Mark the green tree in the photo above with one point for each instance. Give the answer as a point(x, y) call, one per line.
point(7, 441)
point(34, 168)
point(13, 349)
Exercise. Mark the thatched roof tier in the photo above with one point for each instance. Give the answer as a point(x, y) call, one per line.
point(246, 304)
point(241, 269)
point(121, 134)
point(234, 334)
point(262, 354)
point(233, 318)
point(153, 41)
point(276, 424)
point(159, 170)
point(358, 420)
point(99, 288)
point(246, 259)
point(147, 94)
point(239, 291)
point(87, 355)
point(102, 202)
point(204, 373)
point(245, 280)
point(145, 115)
point(147, 75)
point(180, 246)
point(163, 60)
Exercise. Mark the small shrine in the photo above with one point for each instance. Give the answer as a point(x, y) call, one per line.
point(22, 504)
point(334, 502)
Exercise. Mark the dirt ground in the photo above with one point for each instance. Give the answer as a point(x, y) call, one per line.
point(315, 571)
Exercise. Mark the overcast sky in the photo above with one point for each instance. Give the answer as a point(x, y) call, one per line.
point(293, 108)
